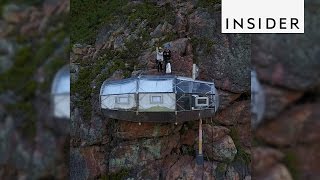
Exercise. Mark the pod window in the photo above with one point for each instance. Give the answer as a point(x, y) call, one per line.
point(156, 99)
point(122, 100)
point(202, 101)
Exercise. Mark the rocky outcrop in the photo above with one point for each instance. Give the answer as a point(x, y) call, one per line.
point(288, 67)
point(129, 130)
point(222, 150)
point(163, 151)
point(237, 113)
point(138, 153)
point(186, 168)
point(298, 124)
point(287, 70)
point(278, 99)
point(87, 162)
point(33, 144)
point(218, 145)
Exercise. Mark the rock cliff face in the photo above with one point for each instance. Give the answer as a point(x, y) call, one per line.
point(124, 45)
point(33, 47)
point(288, 66)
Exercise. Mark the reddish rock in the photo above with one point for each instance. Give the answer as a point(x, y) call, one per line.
point(223, 149)
point(87, 162)
point(278, 58)
point(186, 168)
point(161, 30)
point(199, 23)
point(181, 23)
point(278, 99)
point(147, 59)
point(49, 8)
point(264, 158)
point(159, 169)
point(151, 171)
point(180, 46)
point(306, 159)
point(226, 98)
point(132, 130)
point(94, 157)
point(290, 67)
point(79, 49)
point(169, 161)
point(175, 167)
point(309, 133)
point(238, 112)
point(244, 135)
point(90, 132)
point(277, 172)
point(189, 137)
point(138, 153)
point(213, 133)
point(63, 7)
point(299, 123)
point(28, 29)
point(182, 66)
point(232, 174)
point(219, 56)
point(181, 57)
point(35, 14)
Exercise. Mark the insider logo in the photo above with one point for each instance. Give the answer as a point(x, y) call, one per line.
point(262, 16)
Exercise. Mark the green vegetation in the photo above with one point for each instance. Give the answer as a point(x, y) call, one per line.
point(221, 170)
point(27, 60)
point(22, 70)
point(116, 176)
point(188, 150)
point(88, 16)
point(28, 113)
point(205, 44)
point(291, 161)
point(82, 87)
point(153, 14)
point(242, 155)
point(208, 3)
point(188, 125)
point(51, 69)
point(111, 61)
point(21, 77)
point(257, 142)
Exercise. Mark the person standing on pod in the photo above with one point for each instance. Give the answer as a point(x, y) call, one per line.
point(167, 59)
point(159, 59)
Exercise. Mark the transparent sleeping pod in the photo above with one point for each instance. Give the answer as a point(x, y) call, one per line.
point(158, 98)
point(257, 100)
point(60, 93)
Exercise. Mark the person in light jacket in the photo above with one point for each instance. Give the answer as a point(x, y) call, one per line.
point(159, 59)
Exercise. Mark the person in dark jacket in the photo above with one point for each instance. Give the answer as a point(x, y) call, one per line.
point(166, 56)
